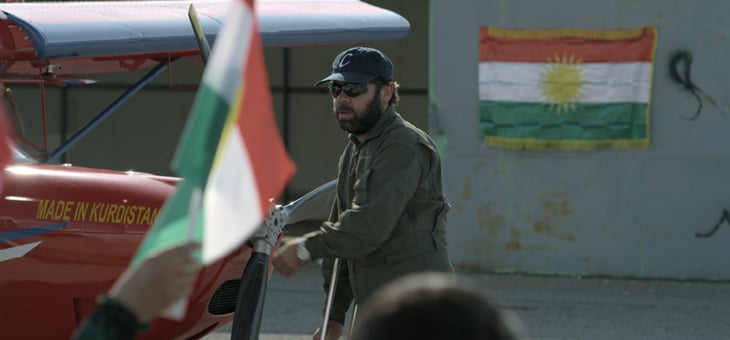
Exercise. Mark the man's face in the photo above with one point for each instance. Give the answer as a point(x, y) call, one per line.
point(358, 113)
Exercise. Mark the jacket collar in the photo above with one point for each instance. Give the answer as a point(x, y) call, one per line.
point(385, 120)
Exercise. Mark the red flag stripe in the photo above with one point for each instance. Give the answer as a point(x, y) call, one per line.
point(538, 46)
point(271, 165)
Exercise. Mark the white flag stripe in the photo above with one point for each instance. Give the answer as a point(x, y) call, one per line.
point(232, 206)
point(17, 251)
point(590, 94)
point(223, 70)
point(602, 82)
point(614, 73)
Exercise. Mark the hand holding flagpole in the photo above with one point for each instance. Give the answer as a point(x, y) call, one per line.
point(177, 310)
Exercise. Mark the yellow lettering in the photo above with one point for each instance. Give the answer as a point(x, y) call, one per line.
point(121, 213)
point(154, 215)
point(140, 211)
point(94, 217)
point(80, 213)
point(130, 214)
point(67, 210)
point(49, 210)
point(60, 206)
point(103, 210)
point(110, 212)
point(41, 211)
point(146, 216)
point(96, 212)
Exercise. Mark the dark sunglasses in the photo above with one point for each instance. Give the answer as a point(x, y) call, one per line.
point(351, 90)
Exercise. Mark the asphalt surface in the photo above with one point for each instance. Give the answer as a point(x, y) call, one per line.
point(549, 307)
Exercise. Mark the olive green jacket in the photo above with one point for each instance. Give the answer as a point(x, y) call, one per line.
point(389, 217)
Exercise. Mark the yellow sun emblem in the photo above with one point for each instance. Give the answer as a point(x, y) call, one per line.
point(562, 82)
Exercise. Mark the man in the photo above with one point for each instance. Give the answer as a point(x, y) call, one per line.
point(389, 217)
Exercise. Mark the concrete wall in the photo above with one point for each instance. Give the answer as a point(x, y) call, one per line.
point(608, 212)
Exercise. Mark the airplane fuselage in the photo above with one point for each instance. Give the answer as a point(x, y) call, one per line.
point(67, 233)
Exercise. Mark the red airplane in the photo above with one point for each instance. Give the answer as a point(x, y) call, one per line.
point(66, 233)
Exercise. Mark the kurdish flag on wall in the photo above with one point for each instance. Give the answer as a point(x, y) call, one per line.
point(230, 149)
point(565, 88)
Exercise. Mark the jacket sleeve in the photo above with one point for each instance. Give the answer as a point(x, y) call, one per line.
point(343, 293)
point(110, 320)
point(381, 194)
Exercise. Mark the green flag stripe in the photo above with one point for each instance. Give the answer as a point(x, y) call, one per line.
point(519, 120)
point(172, 224)
point(199, 141)
point(192, 161)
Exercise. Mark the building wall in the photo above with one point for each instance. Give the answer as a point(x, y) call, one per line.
point(628, 213)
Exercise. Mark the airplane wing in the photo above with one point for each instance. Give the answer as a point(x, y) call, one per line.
point(131, 33)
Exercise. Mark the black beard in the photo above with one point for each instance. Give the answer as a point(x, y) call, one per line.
point(361, 121)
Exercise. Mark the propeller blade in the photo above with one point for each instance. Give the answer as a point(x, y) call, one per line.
point(314, 205)
point(250, 301)
point(199, 35)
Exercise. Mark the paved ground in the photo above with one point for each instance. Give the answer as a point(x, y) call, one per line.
point(550, 307)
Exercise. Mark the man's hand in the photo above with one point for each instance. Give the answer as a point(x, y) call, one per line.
point(157, 282)
point(285, 258)
point(334, 331)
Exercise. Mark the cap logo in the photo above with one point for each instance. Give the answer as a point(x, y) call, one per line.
point(345, 60)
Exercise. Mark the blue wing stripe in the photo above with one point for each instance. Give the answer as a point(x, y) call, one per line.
point(15, 235)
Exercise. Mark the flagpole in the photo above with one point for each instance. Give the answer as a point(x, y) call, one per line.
point(177, 310)
point(252, 293)
point(252, 289)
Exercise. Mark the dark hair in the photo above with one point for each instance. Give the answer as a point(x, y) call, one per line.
point(431, 306)
point(395, 98)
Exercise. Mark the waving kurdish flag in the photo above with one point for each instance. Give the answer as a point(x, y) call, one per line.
point(565, 88)
point(230, 149)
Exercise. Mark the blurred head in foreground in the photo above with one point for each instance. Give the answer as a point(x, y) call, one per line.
point(433, 306)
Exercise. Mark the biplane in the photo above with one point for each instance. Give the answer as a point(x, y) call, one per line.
point(67, 232)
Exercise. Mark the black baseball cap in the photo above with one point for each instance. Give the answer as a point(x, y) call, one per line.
point(360, 65)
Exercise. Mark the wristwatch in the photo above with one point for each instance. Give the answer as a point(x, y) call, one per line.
point(302, 252)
